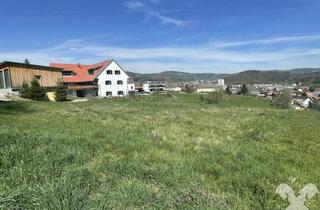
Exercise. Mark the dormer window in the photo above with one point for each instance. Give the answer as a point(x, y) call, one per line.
point(117, 72)
point(91, 72)
point(67, 73)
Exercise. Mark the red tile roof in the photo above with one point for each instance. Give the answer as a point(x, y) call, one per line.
point(81, 71)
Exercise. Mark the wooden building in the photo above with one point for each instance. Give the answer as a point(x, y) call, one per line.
point(12, 75)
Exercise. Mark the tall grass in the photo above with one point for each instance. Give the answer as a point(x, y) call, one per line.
point(155, 152)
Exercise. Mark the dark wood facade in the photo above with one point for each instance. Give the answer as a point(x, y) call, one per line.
point(12, 75)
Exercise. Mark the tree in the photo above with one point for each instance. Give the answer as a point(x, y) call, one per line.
point(282, 100)
point(312, 89)
point(36, 91)
point(60, 92)
point(25, 90)
point(189, 88)
point(244, 90)
point(228, 90)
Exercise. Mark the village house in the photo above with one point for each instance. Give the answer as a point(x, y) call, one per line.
point(154, 86)
point(13, 75)
point(104, 79)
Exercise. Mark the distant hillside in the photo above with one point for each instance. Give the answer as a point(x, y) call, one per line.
point(267, 77)
point(174, 76)
point(305, 75)
point(304, 70)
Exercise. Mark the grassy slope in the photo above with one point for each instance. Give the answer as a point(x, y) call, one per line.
point(155, 152)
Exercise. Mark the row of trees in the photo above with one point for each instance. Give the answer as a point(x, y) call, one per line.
point(36, 92)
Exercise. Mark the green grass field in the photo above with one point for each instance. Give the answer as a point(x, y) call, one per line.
point(155, 152)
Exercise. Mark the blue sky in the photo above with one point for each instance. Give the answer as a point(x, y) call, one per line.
point(160, 35)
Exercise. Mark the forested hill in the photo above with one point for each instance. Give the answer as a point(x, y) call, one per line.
point(307, 75)
point(268, 77)
point(175, 76)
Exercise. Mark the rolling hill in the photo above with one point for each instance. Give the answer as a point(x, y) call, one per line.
point(175, 76)
point(306, 75)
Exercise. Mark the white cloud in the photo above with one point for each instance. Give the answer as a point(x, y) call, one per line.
point(143, 7)
point(306, 38)
point(192, 59)
point(134, 5)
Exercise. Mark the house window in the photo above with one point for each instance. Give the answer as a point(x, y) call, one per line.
point(109, 94)
point(117, 72)
point(37, 77)
point(67, 73)
point(108, 82)
point(120, 82)
point(2, 86)
point(120, 93)
point(91, 72)
point(7, 80)
point(109, 71)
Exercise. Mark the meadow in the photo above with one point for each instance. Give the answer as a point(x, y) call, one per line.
point(155, 152)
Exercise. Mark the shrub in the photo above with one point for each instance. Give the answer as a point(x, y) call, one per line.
point(25, 90)
point(283, 100)
point(315, 105)
point(244, 90)
point(60, 92)
point(36, 91)
point(189, 88)
point(228, 91)
point(213, 97)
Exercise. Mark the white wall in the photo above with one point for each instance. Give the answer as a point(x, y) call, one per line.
point(131, 87)
point(205, 90)
point(146, 87)
point(114, 87)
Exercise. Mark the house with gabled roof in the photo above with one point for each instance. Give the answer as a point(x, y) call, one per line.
point(104, 79)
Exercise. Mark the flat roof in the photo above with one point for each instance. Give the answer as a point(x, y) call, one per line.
point(24, 65)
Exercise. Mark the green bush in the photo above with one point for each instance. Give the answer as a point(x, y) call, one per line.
point(244, 90)
point(213, 97)
point(228, 90)
point(315, 105)
point(25, 90)
point(60, 92)
point(189, 88)
point(283, 100)
point(34, 91)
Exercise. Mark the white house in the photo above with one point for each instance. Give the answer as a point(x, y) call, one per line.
point(131, 85)
point(104, 79)
point(221, 82)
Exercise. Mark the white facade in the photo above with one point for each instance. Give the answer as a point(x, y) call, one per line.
point(113, 82)
point(146, 87)
point(206, 90)
point(174, 89)
point(221, 82)
point(131, 87)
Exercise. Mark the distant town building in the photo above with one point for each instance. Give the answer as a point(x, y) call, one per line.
point(221, 82)
point(154, 86)
point(131, 85)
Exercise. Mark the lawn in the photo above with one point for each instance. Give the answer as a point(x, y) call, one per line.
point(155, 152)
